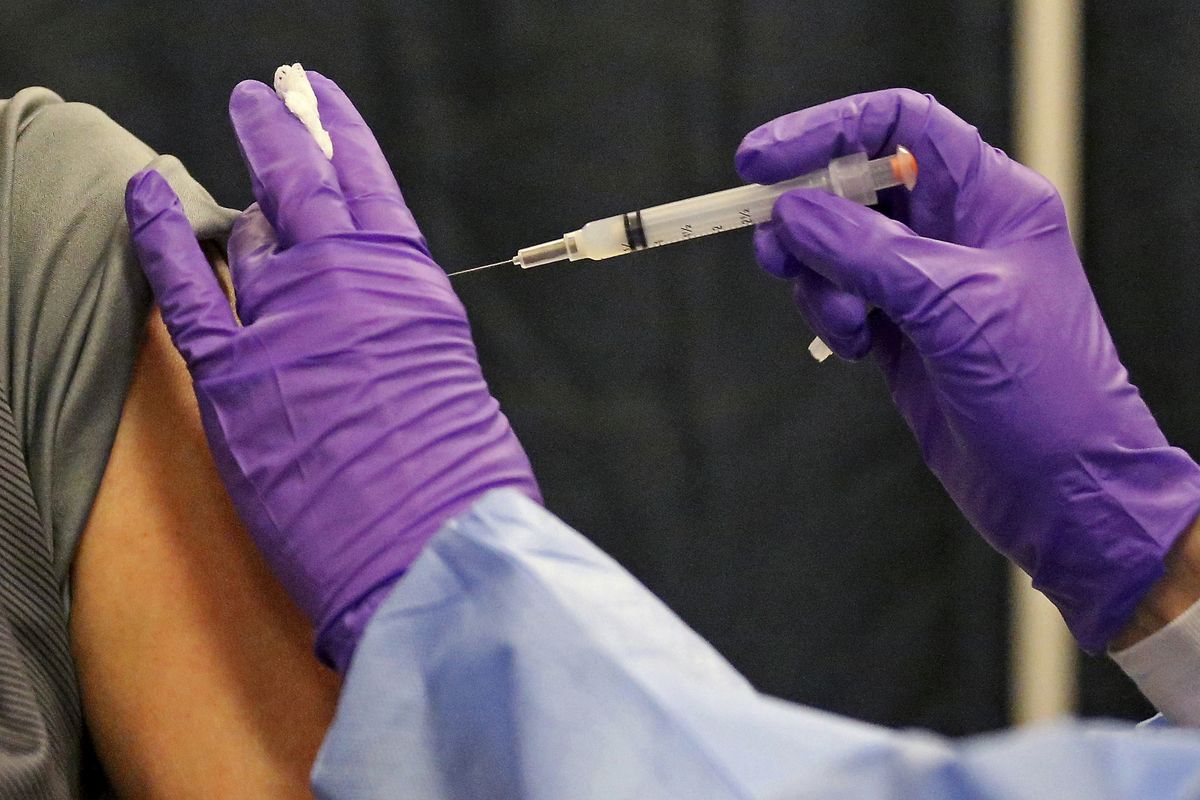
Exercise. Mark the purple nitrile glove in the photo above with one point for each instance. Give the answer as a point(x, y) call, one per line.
point(991, 342)
point(347, 412)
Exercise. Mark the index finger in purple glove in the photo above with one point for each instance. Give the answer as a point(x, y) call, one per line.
point(295, 185)
point(874, 122)
point(367, 182)
point(947, 149)
point(858, 250)
point(195, 309)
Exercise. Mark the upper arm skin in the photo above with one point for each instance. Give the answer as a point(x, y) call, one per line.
point(196, 670)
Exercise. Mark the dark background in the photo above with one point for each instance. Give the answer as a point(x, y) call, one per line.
point(666, 398)
point(1141, 228)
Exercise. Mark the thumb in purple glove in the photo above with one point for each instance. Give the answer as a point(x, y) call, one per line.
point(993, 347)
point(347, 412)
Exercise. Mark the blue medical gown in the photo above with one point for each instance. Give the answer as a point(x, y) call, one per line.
point(516, 660)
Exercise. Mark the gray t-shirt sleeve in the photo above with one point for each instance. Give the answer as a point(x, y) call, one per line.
point(76, 302)
point(73, 307)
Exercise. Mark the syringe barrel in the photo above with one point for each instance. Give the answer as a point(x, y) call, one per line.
point(853, 177)
point(692, 218)
point(726, 210)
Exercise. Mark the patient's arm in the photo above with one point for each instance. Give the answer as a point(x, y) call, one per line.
point(197, 672)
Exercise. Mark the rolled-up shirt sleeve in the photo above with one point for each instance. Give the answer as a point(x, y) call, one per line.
point(72, 320)
point(76, 301)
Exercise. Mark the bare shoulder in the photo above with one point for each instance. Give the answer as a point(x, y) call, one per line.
point(189, 652)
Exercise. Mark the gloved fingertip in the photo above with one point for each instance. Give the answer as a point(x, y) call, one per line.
point(250, 89)
point(247, 95)
point(839, 318)
point(749, 160)
point(251, 233)
point(851, 346)
point(318, 77)
point(336, 108)
point(147, 193)
point(771, 255)
point(854, 347)
point(811, 222)
point(323, 86)
point(138, 180)
point(252, 212)
point(744, 162)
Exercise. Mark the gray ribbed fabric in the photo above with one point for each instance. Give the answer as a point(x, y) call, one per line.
point(71, 321)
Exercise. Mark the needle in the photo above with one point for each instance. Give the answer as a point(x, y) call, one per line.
point(476, 269)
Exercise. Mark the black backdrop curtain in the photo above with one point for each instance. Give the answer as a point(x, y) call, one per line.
point(1141, 231)
point(666, 398)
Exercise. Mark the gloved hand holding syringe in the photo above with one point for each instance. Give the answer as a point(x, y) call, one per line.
point(853, 177)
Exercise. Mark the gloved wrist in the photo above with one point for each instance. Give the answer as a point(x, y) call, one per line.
point(338, 634)
point(337, 640)
point(1174, 594)
point(1163, 664)
point(1095, 542)
point(346, 614)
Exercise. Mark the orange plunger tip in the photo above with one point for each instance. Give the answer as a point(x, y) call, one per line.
point(904, 167)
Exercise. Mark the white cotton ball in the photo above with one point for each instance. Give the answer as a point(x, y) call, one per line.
point(293, 88)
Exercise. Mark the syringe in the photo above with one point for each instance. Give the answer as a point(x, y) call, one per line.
point(853, 177)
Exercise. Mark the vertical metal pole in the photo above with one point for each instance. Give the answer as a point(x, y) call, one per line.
point(1048, 114)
